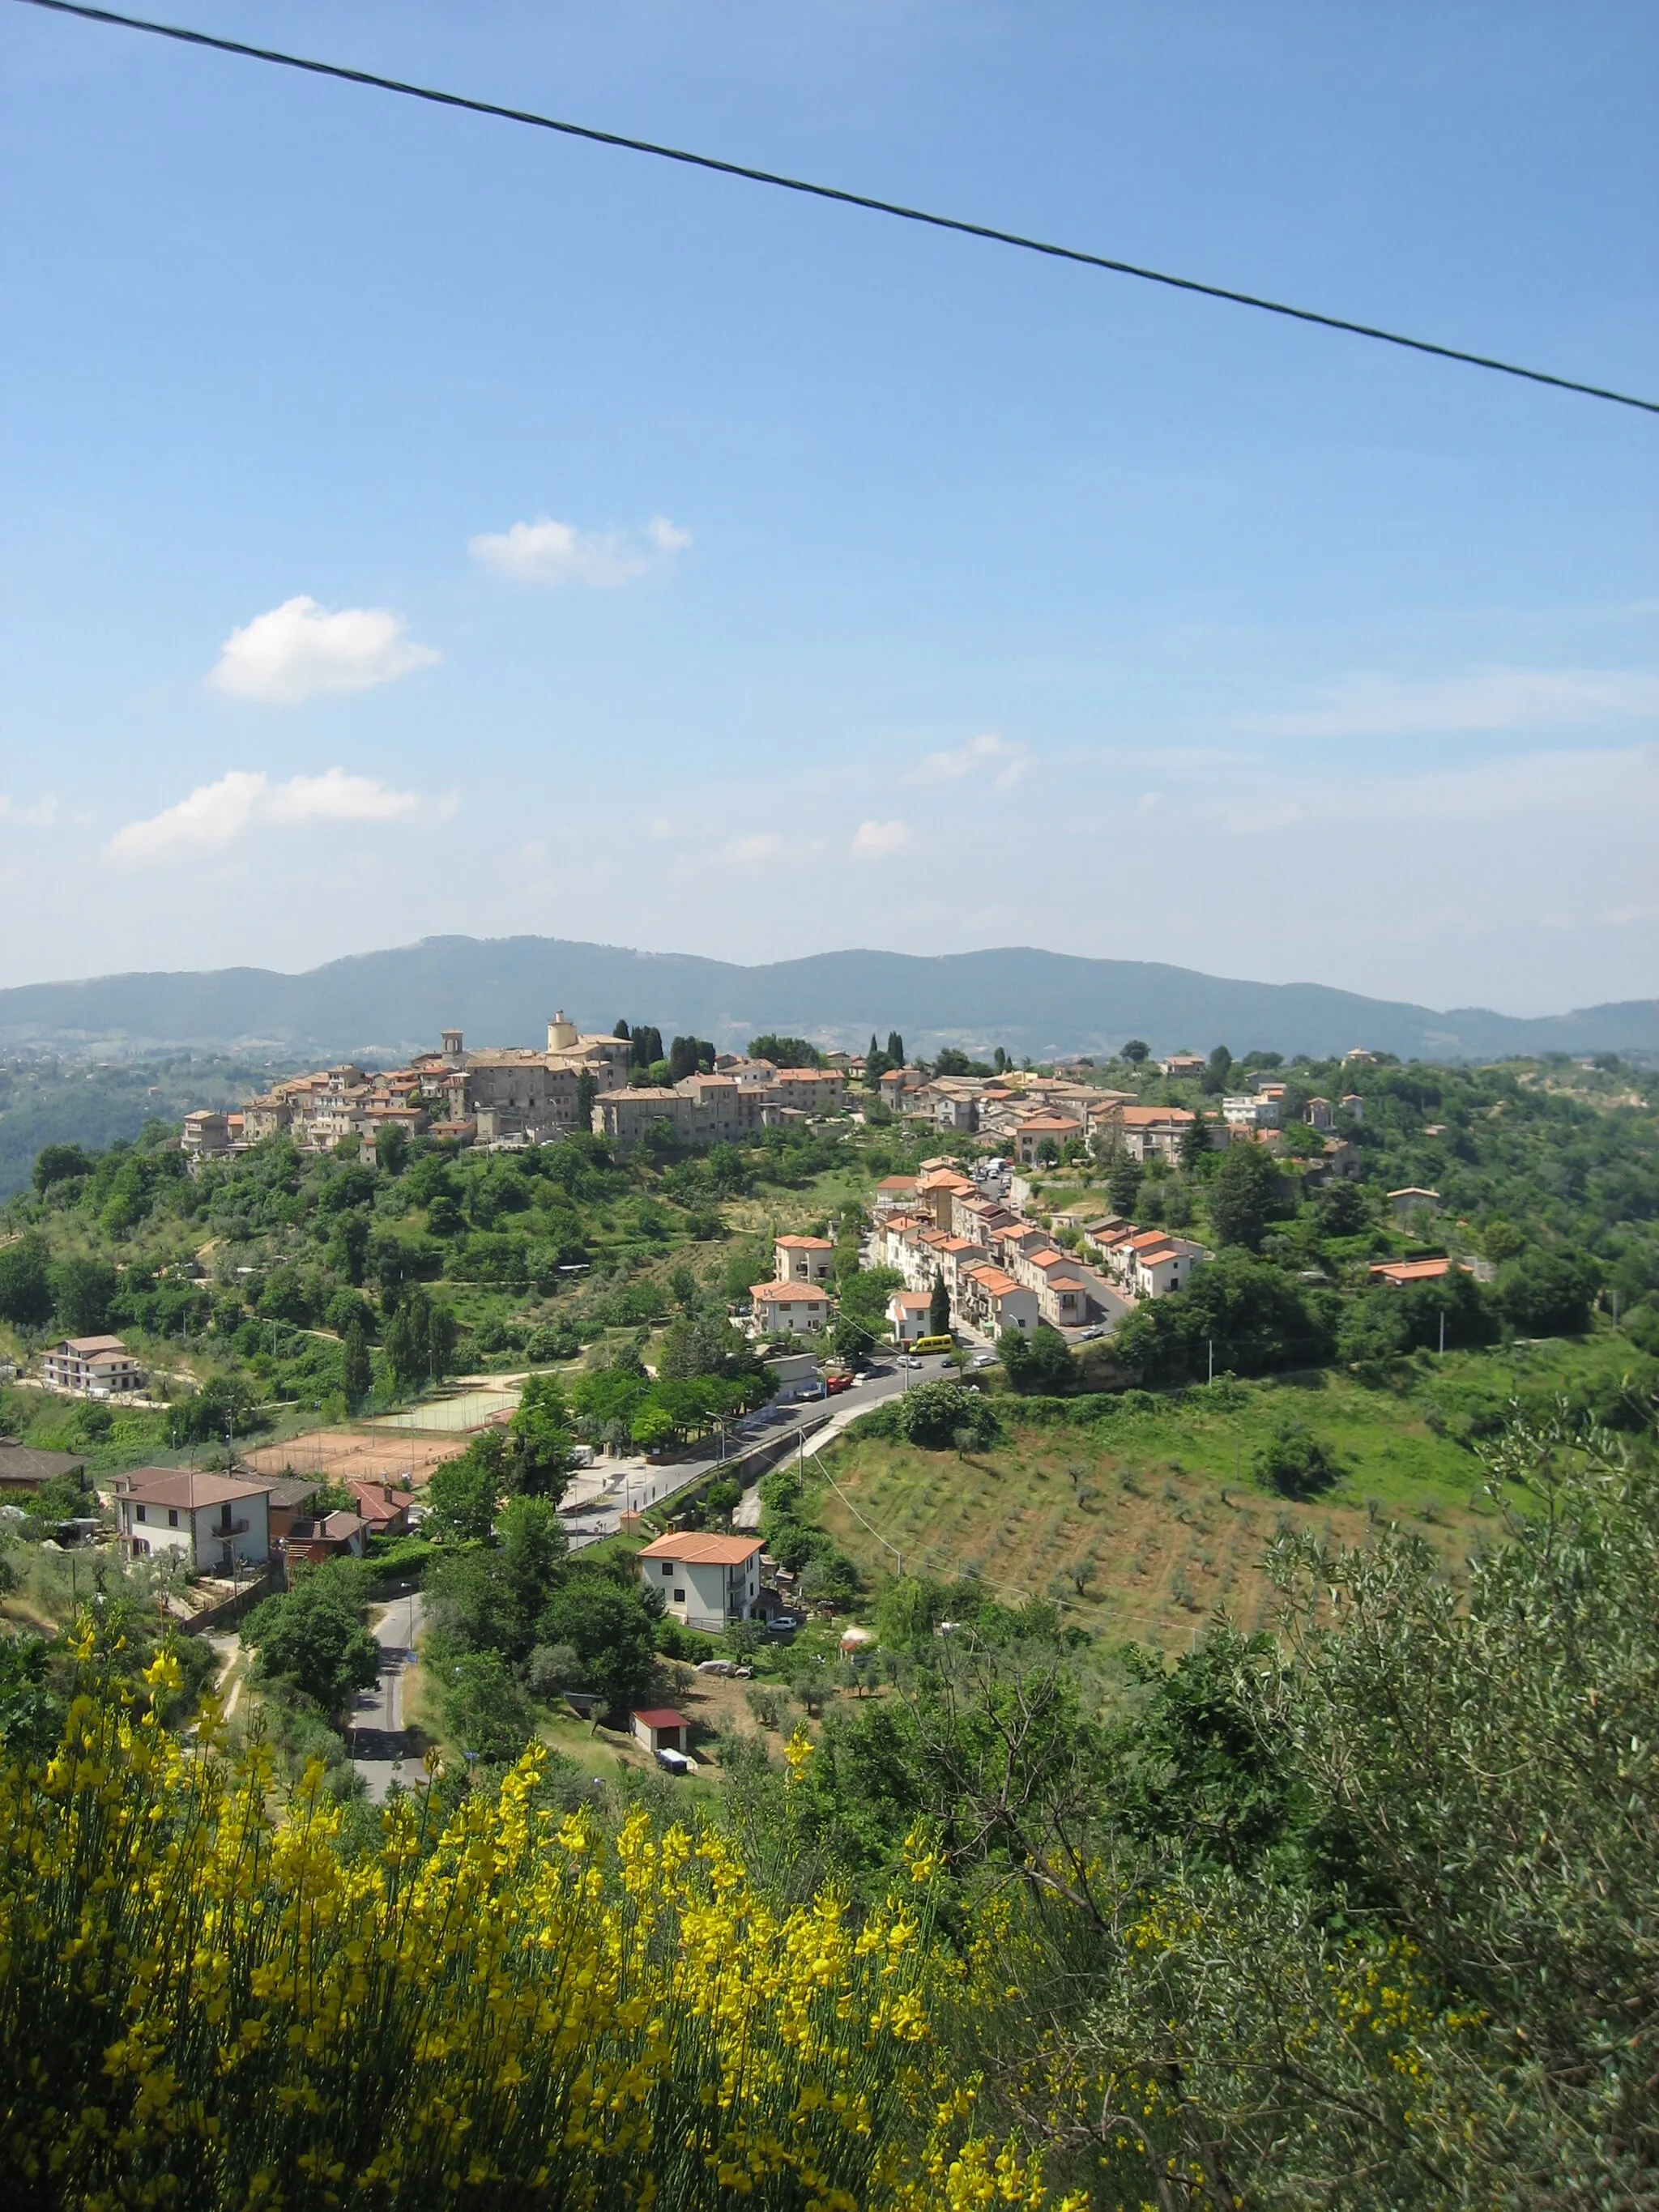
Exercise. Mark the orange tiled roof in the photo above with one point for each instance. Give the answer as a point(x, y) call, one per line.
point(699, 1550)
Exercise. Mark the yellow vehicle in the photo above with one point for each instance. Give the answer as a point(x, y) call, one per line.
point(935, 1344)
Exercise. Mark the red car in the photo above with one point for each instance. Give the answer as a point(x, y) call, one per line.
point(834, 1384)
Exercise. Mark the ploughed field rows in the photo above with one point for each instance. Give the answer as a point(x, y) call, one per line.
point(1141, 1526)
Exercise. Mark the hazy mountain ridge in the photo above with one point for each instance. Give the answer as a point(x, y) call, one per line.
point(500, 991)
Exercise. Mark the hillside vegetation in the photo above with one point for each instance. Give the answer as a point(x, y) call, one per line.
point(1361, 1914)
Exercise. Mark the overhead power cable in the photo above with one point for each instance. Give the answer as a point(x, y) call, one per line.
point(866, 200)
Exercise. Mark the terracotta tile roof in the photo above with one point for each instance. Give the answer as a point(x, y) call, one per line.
point(171, 1485)
point(774, 1294)
point(696, 1550)
point(805, 1243)
point(1410, 1271)
point(659, 1716)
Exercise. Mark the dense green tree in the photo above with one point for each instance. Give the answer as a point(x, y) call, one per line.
point(1136, 1051)
point(935, 1415)
point(1123, 1184)
point(586, 1092)
point(606, 1624)
point(894, 1048)
point(1041, 1365)
point(56, 1163)
point(224, 1408)
point(314, 1637)
point(287, 1295)
point(535, 1460)
point(863, 1296)
point(357, 1372)
point(463, 1493)
point(348, 1249)
point(1243, 1196)
point(1340, 1208)
point(26, 1299)
point(854, 1342)
point(82, 1291)
point(1548, 1293)
point(1218, 1071)
point(420, 1339)
point(1250, 1318)
point(484, 1708)
point(392, 1148)
point(784, 1051)
point(1296, 1463)
point(938, 1308)
point(1196, 1142)
point(346, 1190)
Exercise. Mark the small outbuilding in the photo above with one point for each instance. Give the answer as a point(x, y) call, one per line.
point(660, 1728)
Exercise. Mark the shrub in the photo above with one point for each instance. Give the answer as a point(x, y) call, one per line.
point(936, 1414)
point(1295, 1463)
point(1040, 1365)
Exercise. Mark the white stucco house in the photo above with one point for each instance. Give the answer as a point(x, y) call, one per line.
point(792, 1308)
point(218, 1522)
point(706, 1581)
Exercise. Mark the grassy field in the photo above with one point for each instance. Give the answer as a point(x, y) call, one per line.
point(1142, 1522)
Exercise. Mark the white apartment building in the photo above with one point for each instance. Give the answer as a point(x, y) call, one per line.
point(217, 1522)
point(91, 1367)
point(804, 1259)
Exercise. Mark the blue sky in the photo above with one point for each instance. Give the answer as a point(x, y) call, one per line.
point(415, 524)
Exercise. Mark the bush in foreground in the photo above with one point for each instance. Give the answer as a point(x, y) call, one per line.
point(204, 2003)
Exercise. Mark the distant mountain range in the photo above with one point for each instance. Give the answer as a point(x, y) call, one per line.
point(383, 1006)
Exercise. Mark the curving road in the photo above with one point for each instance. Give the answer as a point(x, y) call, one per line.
point(376, 1736)
point(650, 1487)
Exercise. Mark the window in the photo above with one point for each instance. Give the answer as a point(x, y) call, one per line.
point(141, 1513)
point(667, 1568)
point(172, 1516)
point(679, 1597)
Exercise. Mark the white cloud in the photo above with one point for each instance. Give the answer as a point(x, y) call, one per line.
point(40, 816)
point(216, 814)
point(554, 553)
point(300, 649)
point(762, 846)
point(950, 767)
point(879, 841)
point(1494, 698)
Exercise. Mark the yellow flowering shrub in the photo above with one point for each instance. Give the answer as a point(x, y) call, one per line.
point(206, 2002)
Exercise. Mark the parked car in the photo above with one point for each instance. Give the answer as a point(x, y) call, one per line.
point(907, 1361)
point(783, 1624)
point(717, 1666)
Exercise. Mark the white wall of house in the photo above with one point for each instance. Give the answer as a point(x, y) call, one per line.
point(212, 1538)
point(704, 1593)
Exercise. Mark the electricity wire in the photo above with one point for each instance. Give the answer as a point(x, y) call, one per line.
point(184, 36)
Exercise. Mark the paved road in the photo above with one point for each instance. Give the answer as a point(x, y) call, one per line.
point(379, 1744)
point(651, 1486)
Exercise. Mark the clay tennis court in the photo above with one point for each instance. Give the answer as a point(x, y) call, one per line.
point(381, 1453)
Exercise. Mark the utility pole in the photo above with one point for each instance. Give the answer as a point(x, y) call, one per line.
point(1211, 1340)
point(1442, 1336)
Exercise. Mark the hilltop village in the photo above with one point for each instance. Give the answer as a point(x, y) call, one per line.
point(1001, 1269)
